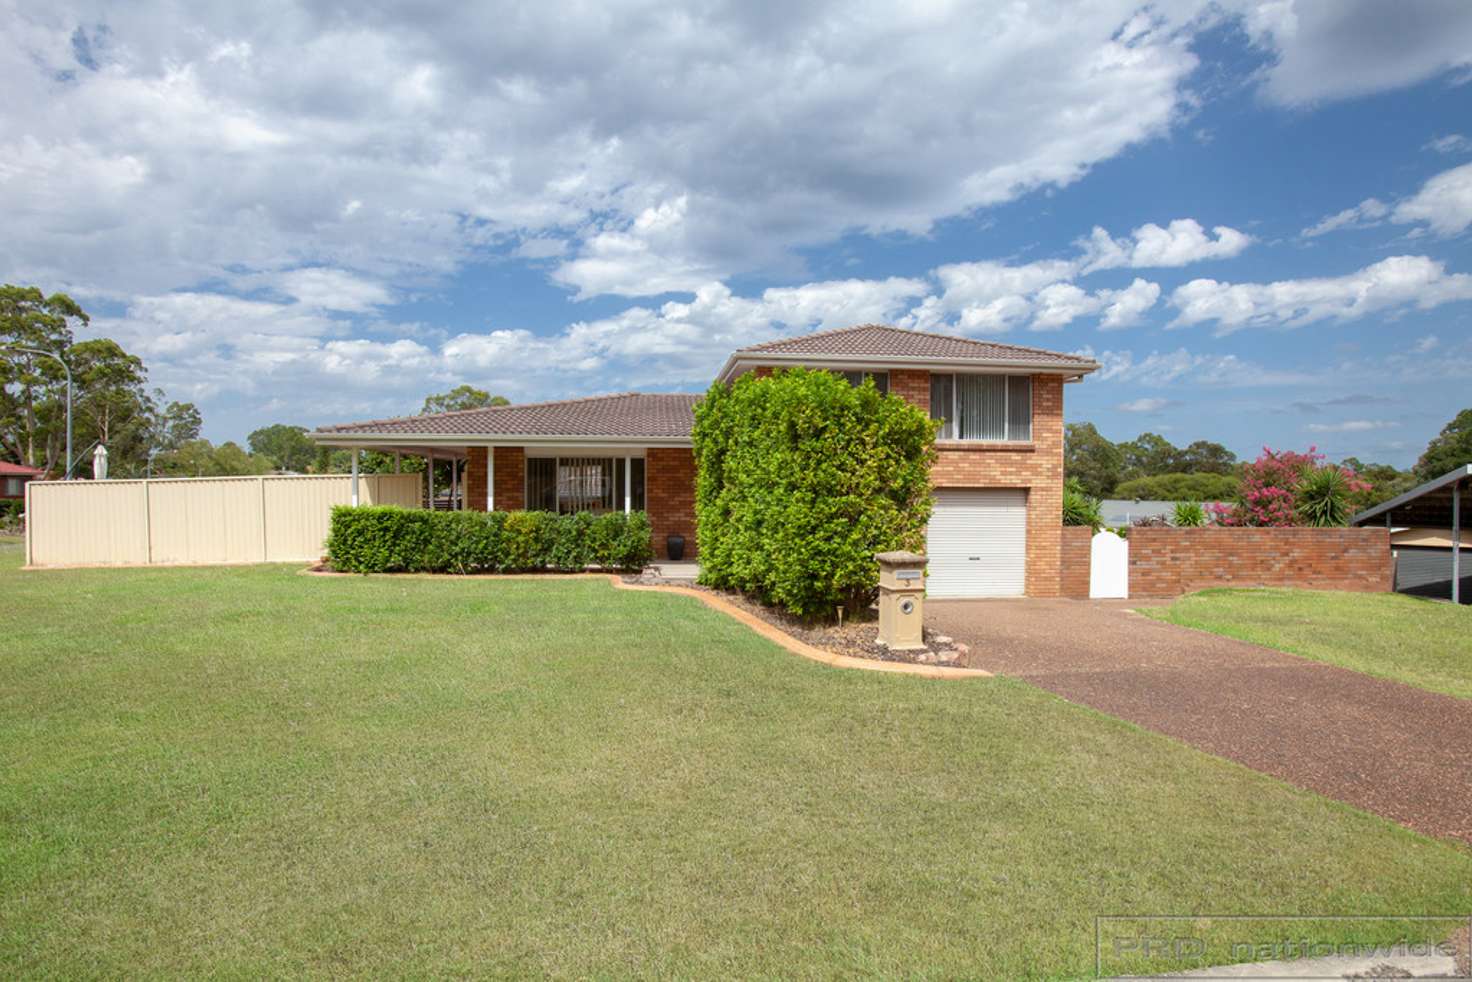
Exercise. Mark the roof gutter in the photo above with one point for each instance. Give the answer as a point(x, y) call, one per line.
point(1072, 370)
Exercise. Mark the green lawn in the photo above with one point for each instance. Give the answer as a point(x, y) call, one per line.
point(246, 772)
point(1418, 642)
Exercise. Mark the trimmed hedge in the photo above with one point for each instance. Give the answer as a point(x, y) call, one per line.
point(801, 478)
point(385, 539)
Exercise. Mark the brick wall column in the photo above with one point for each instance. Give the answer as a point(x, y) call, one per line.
point(510, 479)
point(475, 478)
point(669, 496)
point(1045, 495)
point(911, 385)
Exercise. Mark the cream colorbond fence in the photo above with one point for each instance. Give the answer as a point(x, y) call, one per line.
point(195, 520)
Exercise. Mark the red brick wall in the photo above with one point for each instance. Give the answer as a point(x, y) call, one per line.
point(1167, 562)
point(1036, 466)
point(911, 385)
point(475, 478)
point(669, 496)
point(1074, 561)
point(510, 478)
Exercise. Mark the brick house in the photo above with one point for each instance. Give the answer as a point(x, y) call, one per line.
point(997, 525)
point(14, 478)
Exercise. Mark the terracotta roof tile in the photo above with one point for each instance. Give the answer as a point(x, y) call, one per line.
point(882, 341)
point(626, 414)
point(19, 470)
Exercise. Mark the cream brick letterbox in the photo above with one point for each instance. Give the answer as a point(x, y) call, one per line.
point(901, 600)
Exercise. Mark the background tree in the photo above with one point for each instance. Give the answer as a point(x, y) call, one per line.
point(1382, 481)
point(1206, 457)
point(1149, 454)
point(461, 397)
point(1448, 450)
point(284, 444)
point(174, 425)
point(1180, 487)
point(1090, 459)
point(32, 387)
point(112, 405)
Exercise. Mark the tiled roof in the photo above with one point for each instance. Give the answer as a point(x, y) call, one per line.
point(8, 469)
point(627, 414)
point(881, 341)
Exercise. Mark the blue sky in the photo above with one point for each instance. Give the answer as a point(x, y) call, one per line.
point(1255, 215)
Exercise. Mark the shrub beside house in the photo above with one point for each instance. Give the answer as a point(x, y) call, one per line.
point(801, 478)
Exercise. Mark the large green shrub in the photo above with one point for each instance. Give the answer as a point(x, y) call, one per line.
point(1180, 487)
point(392, 540)
point(801, 479)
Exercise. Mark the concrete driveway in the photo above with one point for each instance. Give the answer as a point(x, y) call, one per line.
point(1392, 749)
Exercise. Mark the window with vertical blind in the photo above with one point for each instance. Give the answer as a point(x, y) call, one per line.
point(573, 484)
point(982, 407)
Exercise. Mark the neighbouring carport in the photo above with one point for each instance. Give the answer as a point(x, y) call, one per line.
point(1445, 503)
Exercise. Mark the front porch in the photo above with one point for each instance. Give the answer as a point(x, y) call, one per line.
point(595, 478)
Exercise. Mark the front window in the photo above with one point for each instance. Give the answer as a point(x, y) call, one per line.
point(14, 487)
point(982, 407)
point(595, 484)
point(856, 379)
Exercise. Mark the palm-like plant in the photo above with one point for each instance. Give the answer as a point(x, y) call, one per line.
point(1323, 498)
point(1079, 508)
point(1188, 514)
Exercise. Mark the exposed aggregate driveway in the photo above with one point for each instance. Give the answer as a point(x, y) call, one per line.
point(1388, 748)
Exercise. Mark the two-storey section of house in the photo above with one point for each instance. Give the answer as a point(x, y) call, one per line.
point(997, 525)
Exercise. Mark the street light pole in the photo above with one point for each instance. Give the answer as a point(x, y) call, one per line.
point(65, 368)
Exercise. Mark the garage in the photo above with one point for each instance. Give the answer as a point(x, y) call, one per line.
point(977, 543)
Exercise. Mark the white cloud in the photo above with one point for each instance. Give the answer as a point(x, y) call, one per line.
point(1351, 426)
point(1425, 344)
point(1450, 143)
point(1397, 283)
point(1366, 214)
point(1060, 303)
point(1336, 49)
point(1444, 202)
point(1145, 404)
point(1182, 242)
point(1168, 368)
point(195, 145)
point(331, 289)
point(1124, 308)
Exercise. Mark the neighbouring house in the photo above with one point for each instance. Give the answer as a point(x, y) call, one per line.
point(1432, 554)
point(997, 525)
point(14, 478)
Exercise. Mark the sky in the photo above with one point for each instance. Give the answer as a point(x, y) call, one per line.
point(1254, 215)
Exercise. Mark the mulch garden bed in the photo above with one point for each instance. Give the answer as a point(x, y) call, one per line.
point(857, 637)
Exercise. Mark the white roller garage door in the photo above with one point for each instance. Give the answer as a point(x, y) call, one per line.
point(977, 543)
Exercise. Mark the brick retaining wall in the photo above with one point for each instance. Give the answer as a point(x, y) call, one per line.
point(1167, 562)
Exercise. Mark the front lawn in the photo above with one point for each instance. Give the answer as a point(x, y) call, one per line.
point(1414, 641)
point(246, 772)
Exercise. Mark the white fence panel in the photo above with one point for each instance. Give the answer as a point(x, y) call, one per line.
point(1109, 566)
point(195, 520)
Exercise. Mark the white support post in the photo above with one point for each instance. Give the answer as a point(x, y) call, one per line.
point(355, 477)
point(454, 481)
point(490, 478)
point(429, 475)
point(1456, 542)
point(628, 484)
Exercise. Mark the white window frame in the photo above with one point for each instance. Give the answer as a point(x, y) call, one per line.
point(955, 417)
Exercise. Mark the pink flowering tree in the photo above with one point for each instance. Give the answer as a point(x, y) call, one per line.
point(1284, 487)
